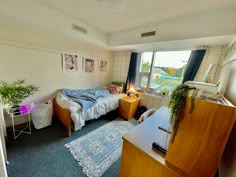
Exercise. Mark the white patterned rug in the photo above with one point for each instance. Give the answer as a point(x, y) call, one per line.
point(99, 149)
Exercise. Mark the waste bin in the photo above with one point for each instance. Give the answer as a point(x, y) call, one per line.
point(42, 115)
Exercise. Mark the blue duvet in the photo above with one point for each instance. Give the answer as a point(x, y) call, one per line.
point(85, 97)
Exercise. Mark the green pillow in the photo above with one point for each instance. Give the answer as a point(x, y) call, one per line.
point(121, 84)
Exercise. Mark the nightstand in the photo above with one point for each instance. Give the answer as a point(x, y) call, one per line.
point(128, 107)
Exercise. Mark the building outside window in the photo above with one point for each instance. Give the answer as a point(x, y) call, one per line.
point(161, 72)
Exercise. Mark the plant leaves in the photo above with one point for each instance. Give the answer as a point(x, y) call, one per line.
point(14, 93)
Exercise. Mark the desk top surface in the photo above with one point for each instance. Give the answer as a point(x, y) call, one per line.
point(144, 134)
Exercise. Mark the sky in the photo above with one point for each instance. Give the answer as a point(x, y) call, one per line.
point(174, 59)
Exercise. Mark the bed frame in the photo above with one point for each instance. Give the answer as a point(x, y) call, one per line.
point(63, 115)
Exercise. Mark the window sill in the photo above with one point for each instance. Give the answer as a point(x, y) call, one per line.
point(166, 97)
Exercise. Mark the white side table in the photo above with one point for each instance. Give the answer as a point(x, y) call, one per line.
point(14, 114)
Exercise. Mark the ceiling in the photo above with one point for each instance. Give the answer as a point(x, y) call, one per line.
point(117, 24)
point(117, 15)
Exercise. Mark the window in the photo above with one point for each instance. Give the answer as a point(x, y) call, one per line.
point(161, 72)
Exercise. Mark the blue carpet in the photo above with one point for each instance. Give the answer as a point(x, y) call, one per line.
point(43, 154)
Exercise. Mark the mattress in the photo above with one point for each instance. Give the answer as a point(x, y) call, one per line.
point(103, 106)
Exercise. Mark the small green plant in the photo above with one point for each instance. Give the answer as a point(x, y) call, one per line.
point(177, 105)
point(165, 91)
point(14, 93)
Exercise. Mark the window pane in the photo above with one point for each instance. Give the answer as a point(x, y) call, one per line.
point(146, 61)
point(167, 70)
point(144, 80)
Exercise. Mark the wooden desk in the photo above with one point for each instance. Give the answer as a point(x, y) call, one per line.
point(196, 151)
point(201, 138)
point(138, 158)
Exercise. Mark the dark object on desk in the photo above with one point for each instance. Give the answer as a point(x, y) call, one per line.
point(158, 147)
point(140, 111)
point(165, 130)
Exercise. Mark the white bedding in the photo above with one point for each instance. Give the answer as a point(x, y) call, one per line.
point(103, 106)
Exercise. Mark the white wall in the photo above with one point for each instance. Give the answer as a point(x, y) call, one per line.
point(3, 155)
point(215, 56)
point(121, 62)
point(44, 69)
point(227, 76)
point(3, 171)
point(228, 71)
point(152, 101)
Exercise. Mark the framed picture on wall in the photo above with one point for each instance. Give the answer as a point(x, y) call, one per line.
point(89, 64)
point(103, 65)
point(71, 63)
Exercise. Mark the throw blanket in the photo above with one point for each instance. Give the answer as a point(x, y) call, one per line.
point(85, 97)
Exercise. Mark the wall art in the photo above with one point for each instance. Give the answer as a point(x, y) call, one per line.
point(103, 65)
point(71, 63)
point(89, 64)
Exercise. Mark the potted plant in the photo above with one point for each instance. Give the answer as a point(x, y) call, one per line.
point(14, 93)
point(177, 105)
point(137, 96)
point(165, 91)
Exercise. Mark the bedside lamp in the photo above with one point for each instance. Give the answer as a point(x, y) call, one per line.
point(131, 92)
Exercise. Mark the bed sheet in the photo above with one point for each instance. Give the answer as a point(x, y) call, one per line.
point(103, 106)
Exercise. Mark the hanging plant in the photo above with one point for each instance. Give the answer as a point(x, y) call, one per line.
point(177, 105)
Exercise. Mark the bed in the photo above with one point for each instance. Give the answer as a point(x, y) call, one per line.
point(70, 112)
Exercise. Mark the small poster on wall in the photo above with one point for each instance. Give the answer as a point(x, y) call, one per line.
point(71, 63)
point(103, 65)
point(89, 65)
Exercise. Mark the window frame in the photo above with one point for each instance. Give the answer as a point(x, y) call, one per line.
point(148, 74)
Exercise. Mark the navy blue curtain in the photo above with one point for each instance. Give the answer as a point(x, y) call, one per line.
point(193, 65)
point(130, 81)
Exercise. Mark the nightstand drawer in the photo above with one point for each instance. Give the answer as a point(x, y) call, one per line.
point(124, 108)
point(123, 113)
point(124, 103)
point(128, 108)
